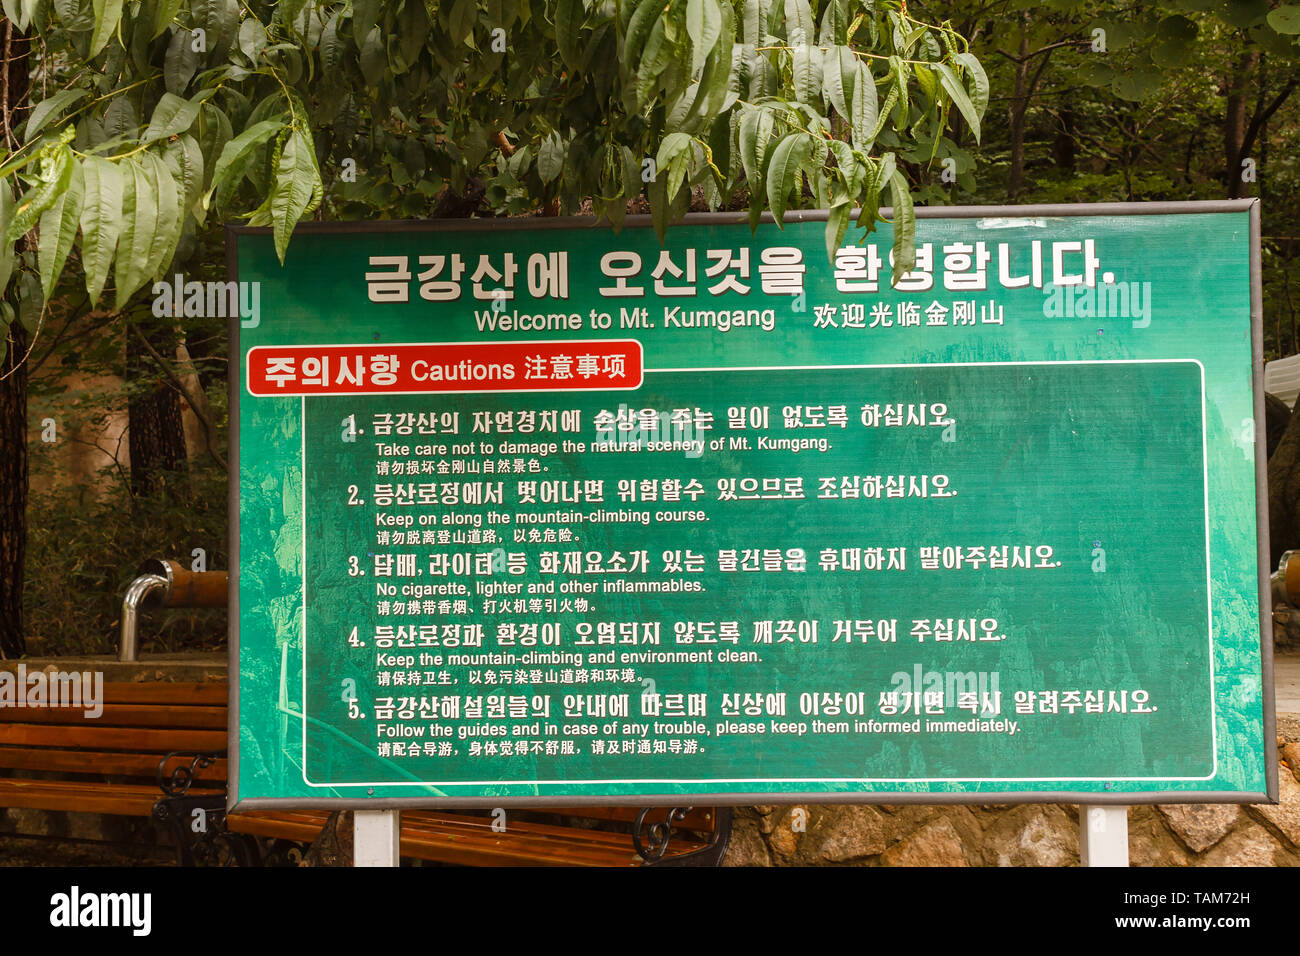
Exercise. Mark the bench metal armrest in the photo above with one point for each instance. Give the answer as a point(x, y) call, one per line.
point(178, 782)
point(660, 835)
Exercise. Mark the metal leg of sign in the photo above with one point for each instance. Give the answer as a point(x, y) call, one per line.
point(376, 837)
point(1103, 836)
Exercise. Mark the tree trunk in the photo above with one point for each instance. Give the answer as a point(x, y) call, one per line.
point(1019, 107)
point(156, 431)
point(1234, 122)
point(13, 492)
point(1063, 145)
point(13, 388)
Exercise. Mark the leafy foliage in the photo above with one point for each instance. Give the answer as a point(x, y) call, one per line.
point(81, 555)
point(166, 116)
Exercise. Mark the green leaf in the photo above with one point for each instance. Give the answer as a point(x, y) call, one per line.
point(47, 109)
point(953, 87)
point(184, 160)
point(297, 186)
point(252, 39)
point(660, 210)
point(214, 132)
point(180, 61)
point(289, 9)
point(164, 12)
point(753, 22)
point(979, 81)
point(56, 172)
point(1285, 19)
point(783, 173)
point(374, 58)
point(799, 23)
point(863, 109)
point(1137, 85)
point(412, 31)
point(715, 97)
point(461, 19)
point(1242, 13)
point(890, 99)
point(837, 224)
point(753, 147)
point(550, 158)
point(673, 144)
point(108, 13)
point(904, 227)
point(19, 12)
point(139, 226)
point(703, 26)
point(170, 218)
point(234, 155)
point(844, 161)
point(840, 71)
point(834, 23)
point(120, 118)
point(658, 54)
point(101, 220)
point(1178, 27)
point(219, 20)
point(673, 159)
point(747, 139)
point(331, 46)
point(569, 15)
point(31, 303)
point(806, 72)
point(900, 77)
point(365, 14)
point(643, 21)
point(173, 115)
point(58, 229)
point(6, 249)
point(869, 197)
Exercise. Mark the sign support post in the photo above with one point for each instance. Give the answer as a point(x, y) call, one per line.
point(1103, 836)
point(376, 837)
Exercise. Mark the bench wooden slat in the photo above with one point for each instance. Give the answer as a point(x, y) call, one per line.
point(121, 799)
point(110, 738)
point(455, 838)
point(98, 762)
point(470, 841)
point(122, 715)
point(700, 819)
point(210, 694)
point(283, 825)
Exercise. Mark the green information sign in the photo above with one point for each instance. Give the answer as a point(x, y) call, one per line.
point(529, 511)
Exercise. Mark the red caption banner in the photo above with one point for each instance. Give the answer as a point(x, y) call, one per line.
point(419, 368)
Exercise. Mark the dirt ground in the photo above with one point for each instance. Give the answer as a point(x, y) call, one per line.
point(23, 851)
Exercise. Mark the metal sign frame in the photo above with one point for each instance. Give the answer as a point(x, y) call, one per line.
point(1090, 798)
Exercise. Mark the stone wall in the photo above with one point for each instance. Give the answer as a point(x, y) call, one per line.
point(1024, 835)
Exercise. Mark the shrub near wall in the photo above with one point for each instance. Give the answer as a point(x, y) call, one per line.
point(82, 552)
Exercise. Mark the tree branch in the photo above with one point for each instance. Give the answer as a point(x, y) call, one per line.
point(1262, 116)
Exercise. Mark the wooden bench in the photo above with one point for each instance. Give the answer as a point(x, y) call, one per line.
point(467, 840)
point(57, 758)
point(158, 749)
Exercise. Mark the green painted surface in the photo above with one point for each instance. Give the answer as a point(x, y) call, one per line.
point(1083, 442)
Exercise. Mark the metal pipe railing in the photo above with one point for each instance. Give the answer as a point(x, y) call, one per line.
point(136, 594)
point(164, 583)
point(1286, 579)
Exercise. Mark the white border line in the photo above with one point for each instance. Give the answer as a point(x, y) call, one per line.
point(1214, 739)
